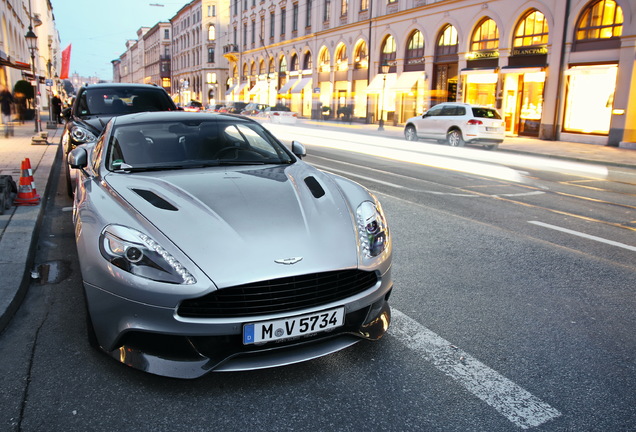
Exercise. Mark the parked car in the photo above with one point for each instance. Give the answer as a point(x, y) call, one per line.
point(253, 108)
point(187, 266)
point(95, 104)
point(214, 107)
point(457, 124)
point(233, 107)
point(193, 106)
point(279, 114)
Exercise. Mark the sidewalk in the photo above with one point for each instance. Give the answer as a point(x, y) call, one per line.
point(19, 226)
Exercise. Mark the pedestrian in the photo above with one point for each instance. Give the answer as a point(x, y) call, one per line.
point(57, 108)
point(6, 102)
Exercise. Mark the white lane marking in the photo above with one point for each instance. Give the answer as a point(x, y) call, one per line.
point(513, 402)
point(350, 174)
point(587, 236)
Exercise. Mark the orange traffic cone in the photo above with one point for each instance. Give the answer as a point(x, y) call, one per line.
point(26, 191)
point(27, 172)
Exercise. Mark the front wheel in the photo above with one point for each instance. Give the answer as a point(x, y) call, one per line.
point(410, 134)
point(454, 138)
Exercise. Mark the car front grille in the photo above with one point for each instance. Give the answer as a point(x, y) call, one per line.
point(279, 295)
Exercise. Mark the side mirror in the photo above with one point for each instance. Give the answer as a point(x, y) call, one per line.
point(298, 149)
point(78, 158)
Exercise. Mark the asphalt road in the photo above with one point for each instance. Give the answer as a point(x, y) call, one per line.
point(513, 309)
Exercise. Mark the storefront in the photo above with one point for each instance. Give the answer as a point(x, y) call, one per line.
point(589, 98)
point(301, 96)
point(480, 86)
point(410, 94)
point(380, 91)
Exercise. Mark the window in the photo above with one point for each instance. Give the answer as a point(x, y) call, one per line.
point(245, 35)
point(486, 36)
point(210, 55)
point(166, 34)
point(295, 17)
point(415, 47)
point(253, 35)
point(364, 5)
point(447, 43)
point(361, 60)
point(601, 20)
point(388, 51)
point(294, 63)
point(211, 33)
point(272, 24)
point(308, 16)
point(344, 7)
point(324, 60)
point(341, 58)
point(283, 21)
point(283, 65)
point(326, 13)
point(532, 30)
point(307, 62)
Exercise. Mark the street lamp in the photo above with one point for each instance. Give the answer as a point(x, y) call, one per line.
point(32, 42)
point(384, 68)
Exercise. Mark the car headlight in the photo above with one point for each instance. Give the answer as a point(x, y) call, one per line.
point(82, 135)
point(140, 255)
point(373, 231)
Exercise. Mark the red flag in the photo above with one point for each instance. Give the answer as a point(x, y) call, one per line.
point(66, 62)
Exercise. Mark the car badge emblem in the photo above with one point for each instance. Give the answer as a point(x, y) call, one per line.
point(288, 261)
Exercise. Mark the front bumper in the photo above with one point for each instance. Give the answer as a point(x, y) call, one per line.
point(155, 340)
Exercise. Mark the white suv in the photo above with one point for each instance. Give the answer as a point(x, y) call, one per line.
point(457, 124)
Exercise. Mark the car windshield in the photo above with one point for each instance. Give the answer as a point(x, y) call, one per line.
point(121, 100)
point(187, 144)
point(486, 113)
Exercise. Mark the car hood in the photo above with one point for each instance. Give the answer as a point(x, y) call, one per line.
point(95, 124)
point(250, 223)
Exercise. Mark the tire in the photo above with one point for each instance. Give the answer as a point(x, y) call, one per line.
point(410, 134)
point(454, 138)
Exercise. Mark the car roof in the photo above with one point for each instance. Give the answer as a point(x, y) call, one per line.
point(162, 116)
point(120, 84)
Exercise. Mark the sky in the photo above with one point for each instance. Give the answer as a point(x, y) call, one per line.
point(98, 29)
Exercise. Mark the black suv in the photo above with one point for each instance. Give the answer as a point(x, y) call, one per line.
point(95, 104)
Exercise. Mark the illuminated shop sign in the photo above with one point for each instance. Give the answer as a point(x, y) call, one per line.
point(525, 51)
point(415, 61)
point(478, 55)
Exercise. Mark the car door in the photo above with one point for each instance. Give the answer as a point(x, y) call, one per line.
point(427, 124)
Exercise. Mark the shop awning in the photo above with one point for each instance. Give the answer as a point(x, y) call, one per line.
point(527, 69)
point(477, 71)
point(301, 84)
point(5, 60)
point(229, 91)
point(239, 88)
point(377, 83)
point(258, 87)
point(591, 69)
point(407, 80)
point(285, 88)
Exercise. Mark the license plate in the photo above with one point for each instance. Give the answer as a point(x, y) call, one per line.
point(302, 325)
point(492, 129)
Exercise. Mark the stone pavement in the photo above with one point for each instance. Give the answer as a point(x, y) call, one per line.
point(19, 226)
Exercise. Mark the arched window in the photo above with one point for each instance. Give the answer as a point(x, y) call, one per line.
point(324, 60)
point(361, 57)
point(294, 63)
point(282, 66)
point(253, 69)
point(272, 67)
point(212, 33)
point(307, 61)
point(602, 19)
point(415, 46)
point(261, 67)
point(447, 42)
point(531, 30)
point(388, 52)
point(244, 76)
point(341, 57)
point(486, 36)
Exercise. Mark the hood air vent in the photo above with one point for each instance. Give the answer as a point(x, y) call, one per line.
point(315, 188)
point(155, 199)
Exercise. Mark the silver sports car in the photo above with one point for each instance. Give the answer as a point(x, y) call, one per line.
point(206, 245)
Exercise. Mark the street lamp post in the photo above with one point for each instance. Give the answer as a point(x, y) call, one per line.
point(385, 70)
point(32, 42)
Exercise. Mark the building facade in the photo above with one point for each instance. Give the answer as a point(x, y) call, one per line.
point(15, 57)
point(157, 47)
point(555, 69)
